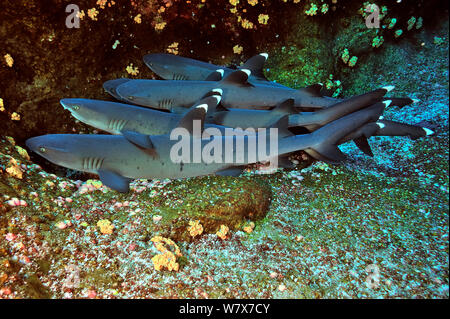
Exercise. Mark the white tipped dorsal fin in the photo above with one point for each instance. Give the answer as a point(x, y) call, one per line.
point(217, 75)
point(380, 125)
point(238, 77)
point(415, 101)
point(256, 65)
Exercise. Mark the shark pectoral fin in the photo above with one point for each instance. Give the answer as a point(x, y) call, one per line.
point(217, 75)
point(238, 77)
point(114, 181)
point(256, 64)
point(363, 144)
point(282, 126)
point(313, 90)
point(232, 171)
point(285, 107)
point(138, 139)
point(327, 153)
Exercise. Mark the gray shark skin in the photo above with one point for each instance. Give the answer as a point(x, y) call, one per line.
point(174, 67)
point(118, 159)
point(237, 93)
point(113, 117)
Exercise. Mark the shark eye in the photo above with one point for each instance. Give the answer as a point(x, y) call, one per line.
point(42, 149)
point(131, 97)
point(76, 107)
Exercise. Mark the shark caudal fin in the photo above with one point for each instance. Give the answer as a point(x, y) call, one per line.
point(391, 128)
point(327, 138)
point(401, 101)
point(111, 86)
point(256, 64)
point(336, 111)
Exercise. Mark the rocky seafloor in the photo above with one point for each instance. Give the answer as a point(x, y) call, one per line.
point(371, 228)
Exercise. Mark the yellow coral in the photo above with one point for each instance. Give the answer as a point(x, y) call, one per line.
point(222, 232)
point(173, 48)
point(138, 19)
point(160, 26)
point(14, 169)
point(15, 116)
point(246, 24)
point(132, 70)
point(195, 228)
point(234, 2)
point(237, 49)
point(9, 60)
point(263, 18)
point(166, 259)
point(252, 2)
point(2, 105)
point(81, 14)
point(249, 228)
point(92, 13)
point(105, 226)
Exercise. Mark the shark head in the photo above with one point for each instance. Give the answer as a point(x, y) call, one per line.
point(91, 112)
point(167, 66)
point(56, 148)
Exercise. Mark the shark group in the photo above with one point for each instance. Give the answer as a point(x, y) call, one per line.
point(203, 102)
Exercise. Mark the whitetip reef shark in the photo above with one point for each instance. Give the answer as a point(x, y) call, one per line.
point(237, 93)
point(115, 117)
point(174, 67)
point(118, 159)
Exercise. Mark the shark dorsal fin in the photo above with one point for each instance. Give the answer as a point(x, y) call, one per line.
point(313, 90)
point(217, 75)
point(217, 92)
point(256, 64)
point(238, 77)
point(285, 107)
point(198, 113)
point(140, 140)
point(282, 125)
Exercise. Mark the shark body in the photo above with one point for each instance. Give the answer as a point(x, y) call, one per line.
point(237, 93)
point(118, 159)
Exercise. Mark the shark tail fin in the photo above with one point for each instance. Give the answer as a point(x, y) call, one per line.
point(327, 138)
point(401, 101)
point(391, 128)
